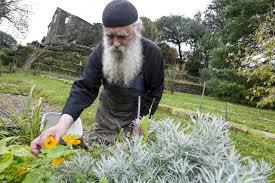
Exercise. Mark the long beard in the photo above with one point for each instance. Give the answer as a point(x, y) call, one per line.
point(121, 65)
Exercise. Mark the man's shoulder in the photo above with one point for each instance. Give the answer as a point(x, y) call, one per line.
point(98, 48)
point(150, 45)
point(96, 53)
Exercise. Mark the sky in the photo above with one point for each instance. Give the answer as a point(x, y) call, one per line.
point(91, 11)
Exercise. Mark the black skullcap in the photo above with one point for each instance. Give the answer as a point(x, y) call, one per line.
point(119, 13)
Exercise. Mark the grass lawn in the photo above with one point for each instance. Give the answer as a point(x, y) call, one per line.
point(249, 116)
point(56, 92)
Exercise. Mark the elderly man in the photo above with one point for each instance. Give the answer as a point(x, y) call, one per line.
point(128, 65)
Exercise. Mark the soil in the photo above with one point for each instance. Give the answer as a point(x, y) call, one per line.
point(18, 103)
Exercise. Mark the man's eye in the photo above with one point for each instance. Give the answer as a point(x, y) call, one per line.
point(110, 36)
point(121, 37)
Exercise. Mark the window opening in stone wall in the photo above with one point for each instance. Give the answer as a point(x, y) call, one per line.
point(55, 17)
point(49, 29)
point(68, 19)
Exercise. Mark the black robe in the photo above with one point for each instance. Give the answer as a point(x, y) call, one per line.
point(118, 105)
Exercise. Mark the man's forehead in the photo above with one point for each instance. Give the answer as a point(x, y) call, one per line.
point(118, 30)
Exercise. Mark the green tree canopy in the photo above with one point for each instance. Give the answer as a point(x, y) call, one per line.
point(7, 41)
point(170, 54)
point(232, 23)
point(174, 29)
point(149, 29)
point(236, 19)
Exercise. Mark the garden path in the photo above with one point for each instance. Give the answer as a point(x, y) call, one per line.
point(18, 102)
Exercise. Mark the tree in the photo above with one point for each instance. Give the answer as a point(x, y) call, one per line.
point(149, 29)
point(170, 54)
point(236, 19)
point(171, 77)
point(201, 41)
point(7, 58)
point(33, 56)
point(174, 29)
point(7, 41)
point(258, 61)
point(16, 13)
point(232, 23)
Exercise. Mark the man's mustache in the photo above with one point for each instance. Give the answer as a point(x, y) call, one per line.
point(120, 49)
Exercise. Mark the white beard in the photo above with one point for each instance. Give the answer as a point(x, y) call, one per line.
point(122, 65)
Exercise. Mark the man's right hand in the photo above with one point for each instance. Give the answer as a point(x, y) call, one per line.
point(57, 131)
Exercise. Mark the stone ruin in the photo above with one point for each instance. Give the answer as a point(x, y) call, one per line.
point(67, 29)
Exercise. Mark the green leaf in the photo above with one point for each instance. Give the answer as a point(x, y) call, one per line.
point(41, 174)
point(4, 133)
point(33, 176)
point(5, 163)
point(103, 180)
point(21, 151)
point(4, 141)
point(120, 136)
point(144, 127)
point(4, 150)
point(57, 151)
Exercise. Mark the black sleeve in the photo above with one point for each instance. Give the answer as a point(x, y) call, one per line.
point(154, 79)
point(85, 90)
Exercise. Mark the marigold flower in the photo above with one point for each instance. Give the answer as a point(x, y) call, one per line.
point(71, 139)
point(57, 161)
point(50, 142)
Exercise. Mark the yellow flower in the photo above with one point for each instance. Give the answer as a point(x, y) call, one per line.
point(57, 161)
point(76, 142)
point(71, 139)
point(50, 142)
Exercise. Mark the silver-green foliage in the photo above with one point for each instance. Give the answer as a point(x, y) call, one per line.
point(202, 152)
point(78, 169)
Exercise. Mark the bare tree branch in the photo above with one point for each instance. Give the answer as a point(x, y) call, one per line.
point(15, 13)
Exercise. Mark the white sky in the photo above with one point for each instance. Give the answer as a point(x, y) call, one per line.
point(91, 11)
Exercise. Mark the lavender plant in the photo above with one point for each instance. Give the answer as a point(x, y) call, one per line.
point(202, 152)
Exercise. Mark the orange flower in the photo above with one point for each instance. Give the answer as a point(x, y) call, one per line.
point(57, 161)
point(71, 139)
point(50, 142)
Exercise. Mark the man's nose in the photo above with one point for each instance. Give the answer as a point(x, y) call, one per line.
point(116, 42)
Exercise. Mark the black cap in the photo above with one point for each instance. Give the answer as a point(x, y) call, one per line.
point(119, 13)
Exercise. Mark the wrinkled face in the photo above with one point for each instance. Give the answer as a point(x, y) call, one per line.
point(122, 55)
point(119, 36)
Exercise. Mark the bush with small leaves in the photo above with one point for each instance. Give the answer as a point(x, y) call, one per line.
point(202, 152)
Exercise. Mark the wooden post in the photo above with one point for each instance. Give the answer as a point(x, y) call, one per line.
point(203, 90)
point(226, 112)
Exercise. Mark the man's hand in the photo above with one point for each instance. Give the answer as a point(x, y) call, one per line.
point(56, 131)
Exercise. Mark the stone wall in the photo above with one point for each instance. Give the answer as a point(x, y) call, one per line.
point(186, 88)
point(68, 29)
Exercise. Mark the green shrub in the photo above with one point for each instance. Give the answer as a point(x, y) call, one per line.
point(227, 84)
point(7, 56)
point(230, 91)
point(228, 75)
point(23, 53)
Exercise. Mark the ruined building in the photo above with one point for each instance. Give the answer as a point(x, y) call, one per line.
point(68, 29)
